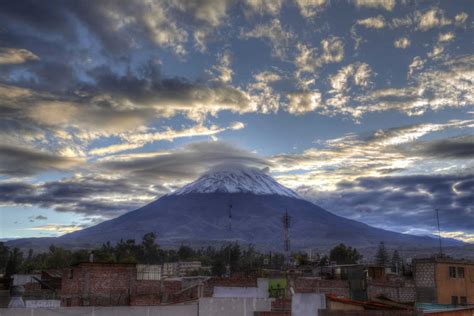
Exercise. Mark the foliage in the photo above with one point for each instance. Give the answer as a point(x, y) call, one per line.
point(343, 254)
point(381, 256)
point(240, 259)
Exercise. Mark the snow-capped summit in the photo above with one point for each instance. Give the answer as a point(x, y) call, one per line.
point(236, 179)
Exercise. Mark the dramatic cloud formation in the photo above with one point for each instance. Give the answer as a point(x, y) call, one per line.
point(106, 105)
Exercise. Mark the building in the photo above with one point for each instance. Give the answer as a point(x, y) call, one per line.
point(108, 284)
point(28, 281)
point(184, 267)
point(149, 272)
point(444, 280)
point(170, 269)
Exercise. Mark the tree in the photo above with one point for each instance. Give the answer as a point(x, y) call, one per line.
point(324, 261)
point(4, 254)
point(218, 267)
point(342, 254)
point(397, 263)
point(151, 251)
point(381, 258)
point(185, 252)
point(15, 260)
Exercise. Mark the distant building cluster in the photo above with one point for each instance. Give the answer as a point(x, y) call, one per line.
point(436, 285)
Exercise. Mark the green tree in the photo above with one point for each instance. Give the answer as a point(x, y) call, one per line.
point(4, 255)
point(15, 260)
point(324, 261)
point(58, 258)
point(151, 251)
point(381, 257)
point(185, 252)
point(397, 262)
point(218, 267)
point(342, 254)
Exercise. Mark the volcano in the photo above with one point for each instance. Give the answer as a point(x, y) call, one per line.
point(238, 204)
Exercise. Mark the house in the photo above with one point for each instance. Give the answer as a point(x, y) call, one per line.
point(28, 281)
point(444, 280)
point(184, 267)
point(51, 279)
point(170, 269)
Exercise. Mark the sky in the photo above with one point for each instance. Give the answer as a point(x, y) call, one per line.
point(364, 107)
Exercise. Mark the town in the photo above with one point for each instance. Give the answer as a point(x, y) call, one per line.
point(112, 279)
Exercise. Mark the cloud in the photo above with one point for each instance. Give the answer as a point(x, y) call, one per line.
point(461, 18)
point(445, 86)
point(90, 195)
point(16, 161)
point(398, 202)
point(388, 5)
point(59, 229)
point(223, 69)
point(310, 8)
point(273, 31)
point(380, 153)
point(37, 218)
point(359, 72)
point(308, 59)
point(461, 147)
point(10, 56)
point(376, 22)
point(185, 163)
point(121, 183)
point(446, 37)
point(137, 139)
point(353, 75)
point(263, 93)
point(402, 42)
point(270, 7)
point(431, 19)
point(303, 102)
point(416, 65)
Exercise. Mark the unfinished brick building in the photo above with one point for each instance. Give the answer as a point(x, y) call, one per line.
point(102, 284)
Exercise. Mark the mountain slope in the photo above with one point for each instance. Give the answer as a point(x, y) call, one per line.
point(198, 214)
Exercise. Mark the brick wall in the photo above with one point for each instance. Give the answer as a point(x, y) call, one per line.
point(401, 291)
point(425, 283)
point(94, 284)
point(313, 285)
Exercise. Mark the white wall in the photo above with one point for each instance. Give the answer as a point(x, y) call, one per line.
point(174, 310)
point(212, 306)
point(307, 304)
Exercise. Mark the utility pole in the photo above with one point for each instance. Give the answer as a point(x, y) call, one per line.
point(286, 234)
point(230, 242)
point(439, 233)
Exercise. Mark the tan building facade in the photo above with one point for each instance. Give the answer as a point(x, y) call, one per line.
point(443, 280)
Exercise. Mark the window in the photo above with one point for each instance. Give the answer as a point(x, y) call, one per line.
point(463, 300)
point(452, 272)
point(454, 300)
point(460, 272)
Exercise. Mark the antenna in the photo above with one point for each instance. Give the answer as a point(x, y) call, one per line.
point(230, 217)
point(286, 227)
point(230, 242)
point(439, 233)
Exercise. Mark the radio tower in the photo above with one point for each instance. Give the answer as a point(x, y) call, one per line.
point(286, 228)
point(230, 219)
point(230, 242)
